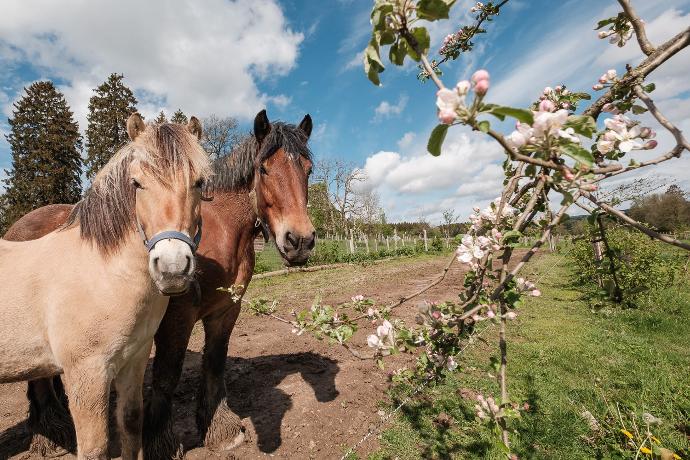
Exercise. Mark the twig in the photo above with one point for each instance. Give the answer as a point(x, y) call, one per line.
point(633, 223)
point(645, 45)
point(663, 121)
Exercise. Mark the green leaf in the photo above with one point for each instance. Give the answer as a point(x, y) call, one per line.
point(432, 10)
point(583, 125)
point(638, 109)
point(522, 115)
point(649, 88)
point(421, 35)
point(398, 52)
point(386, 38)
point(372, 63)
point(484, 126)
point(438, 135)
point(511, 236)
point(604, 22)
point(567, 198)
point(378, 16)
point(578, 153)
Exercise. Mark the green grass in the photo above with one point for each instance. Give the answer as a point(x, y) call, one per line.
point(564, 359)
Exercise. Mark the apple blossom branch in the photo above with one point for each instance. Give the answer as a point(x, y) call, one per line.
point(633, 76)
point(638, 25)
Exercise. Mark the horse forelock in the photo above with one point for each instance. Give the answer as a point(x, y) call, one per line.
point(235, 171)
point(167, 152)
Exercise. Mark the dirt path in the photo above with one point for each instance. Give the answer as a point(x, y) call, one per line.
point(300, 398)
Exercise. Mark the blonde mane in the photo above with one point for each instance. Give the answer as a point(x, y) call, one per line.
point(165, 151)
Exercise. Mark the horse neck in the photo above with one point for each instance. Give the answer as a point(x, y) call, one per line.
point(236, 211)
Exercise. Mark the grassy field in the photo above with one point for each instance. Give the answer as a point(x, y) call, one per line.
point(564, 360)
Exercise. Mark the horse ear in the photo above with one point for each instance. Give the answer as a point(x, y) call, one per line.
point(135, 125)
point(194, 127)
point(261, 126)
point(306, 125)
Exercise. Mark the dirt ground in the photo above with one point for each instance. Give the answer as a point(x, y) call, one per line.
point(298, 397)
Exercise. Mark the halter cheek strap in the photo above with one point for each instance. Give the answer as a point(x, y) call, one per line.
point(171, 235)
point(260, 224)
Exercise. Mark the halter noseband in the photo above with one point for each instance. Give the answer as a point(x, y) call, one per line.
point(171, 235)
point(260, 223)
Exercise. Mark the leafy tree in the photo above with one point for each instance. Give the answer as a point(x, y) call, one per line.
point(161, 118)
point(46, 153)
point(668, 212)
point(179, 117)
point(109, 108)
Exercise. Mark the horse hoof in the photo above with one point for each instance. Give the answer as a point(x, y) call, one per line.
point(226, 431)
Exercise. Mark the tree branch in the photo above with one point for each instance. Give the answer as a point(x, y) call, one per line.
point(638, 25)
point(633, 223)
point(653, 61)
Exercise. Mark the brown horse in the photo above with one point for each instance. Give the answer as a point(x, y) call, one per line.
point(86, 300)
point(261, 187)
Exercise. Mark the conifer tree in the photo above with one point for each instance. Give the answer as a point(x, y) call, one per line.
point(161, 118)
point(179, 117)
point(109, 108)
point(46, 153)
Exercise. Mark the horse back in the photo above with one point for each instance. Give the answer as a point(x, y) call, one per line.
point(39, 222)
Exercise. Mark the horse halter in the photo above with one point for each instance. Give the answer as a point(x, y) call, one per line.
point(171, 235)
point(260, 223)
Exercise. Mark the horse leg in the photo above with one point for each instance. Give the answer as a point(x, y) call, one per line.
point(220, 428)
point(88, 386)
point(171, 344)
point(129, 384)
point(49, 419)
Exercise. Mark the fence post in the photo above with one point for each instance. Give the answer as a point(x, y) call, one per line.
point(426, 242)
point(366, 243)
point(388, 244)
point(395, 238)
point(376, 244)
point(352, 243)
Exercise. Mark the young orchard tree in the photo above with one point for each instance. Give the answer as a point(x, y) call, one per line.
point(46, 153)
point(109, 108)
point(161, 118)
point(342, 180)
point(547, 156)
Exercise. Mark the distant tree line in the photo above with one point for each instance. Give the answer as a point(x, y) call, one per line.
point(47, 147)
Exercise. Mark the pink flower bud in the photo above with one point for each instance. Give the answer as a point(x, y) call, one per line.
point(558, 88)
point(589, 187)
point(597, 87)
point(650, 145)
point(568, 175)
point(463, 87)
point(547, 106)
point(436, 314)
point(481, 87)
point(480, 75)
point(603, 34)
point(566, 105)
point(647, 133)
point(447, 117)
point(490, 314)
point(603, 79)
point(548, 90)
point(610, 108)
point(611, 74)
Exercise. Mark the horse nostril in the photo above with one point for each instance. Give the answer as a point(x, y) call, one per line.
point(155, 262)
point(294, 242)
point(311, 242)
point(188, 265)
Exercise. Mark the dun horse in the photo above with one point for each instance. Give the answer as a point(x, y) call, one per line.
point(260, 188)
point(86, 300)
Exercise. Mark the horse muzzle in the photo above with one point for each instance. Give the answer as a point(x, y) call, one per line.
point(172, 266)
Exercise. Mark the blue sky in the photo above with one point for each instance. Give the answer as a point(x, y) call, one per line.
point(296, 57)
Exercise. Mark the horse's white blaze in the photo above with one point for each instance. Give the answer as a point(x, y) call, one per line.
point(171, 264)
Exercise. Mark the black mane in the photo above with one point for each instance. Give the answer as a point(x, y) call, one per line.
point(235, 171)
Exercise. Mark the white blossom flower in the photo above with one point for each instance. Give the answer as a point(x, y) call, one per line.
point(548, 123)
point(569, 133)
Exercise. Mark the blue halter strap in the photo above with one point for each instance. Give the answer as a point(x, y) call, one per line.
point(171, 235)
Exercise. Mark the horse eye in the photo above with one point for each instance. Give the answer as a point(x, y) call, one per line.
point(263, 170)
point(199, 183)
point(136, 184)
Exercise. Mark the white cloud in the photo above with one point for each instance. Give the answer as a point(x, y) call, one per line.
point(406, 140)
point(203, 57)
point(466, 171)
point(386, 109)
point(356, 61)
